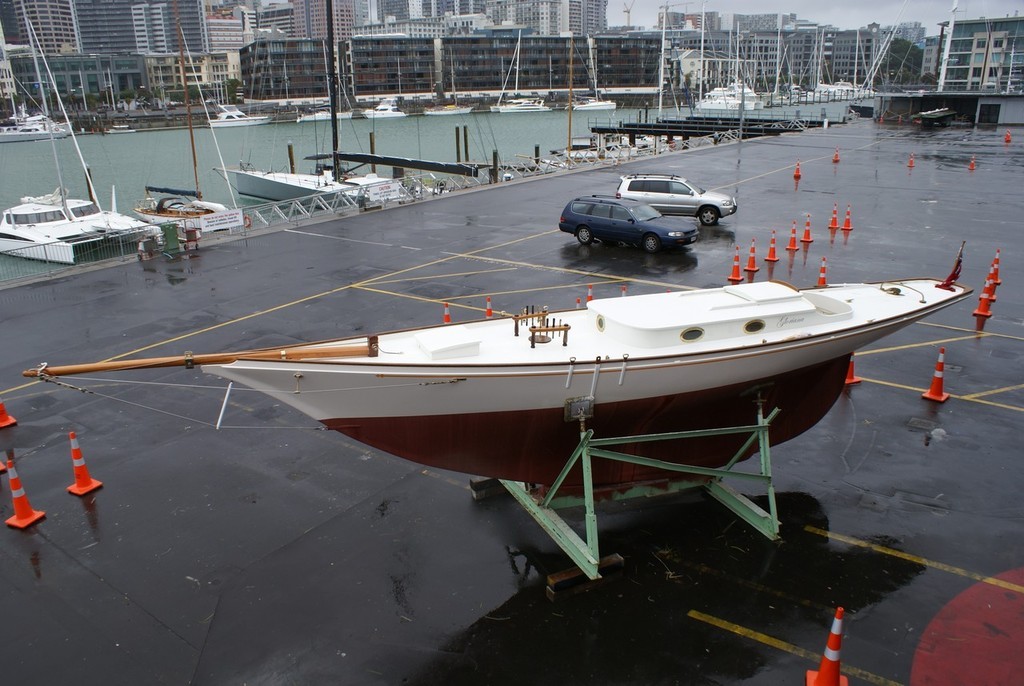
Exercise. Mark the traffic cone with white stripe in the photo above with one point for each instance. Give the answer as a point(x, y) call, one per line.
point(590, 292)
point(834, 222)
point(935, 391)
point(995, 270)
point(772, 257)
point(971, 166)
point(807, 231)
point(984, 301)
point(828, 670)
point(792, 247)
point(24, 515)
point(489, 312)
point(752, 259)
point(835, 157)
point(797, 174)
point(6, 419)
point(447, 315)
point(990, 285)
point(910, 162)
point(83, 482)
point(847, 226)
point(822, 281)
point(735, 276)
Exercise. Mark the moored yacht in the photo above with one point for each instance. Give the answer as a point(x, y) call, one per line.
point(54, 228)
point(230, 116)
point(387, 109)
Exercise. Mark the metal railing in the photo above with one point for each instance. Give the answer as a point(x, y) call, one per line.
point(44, 261)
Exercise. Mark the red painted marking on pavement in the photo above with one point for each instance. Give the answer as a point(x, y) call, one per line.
point(975, 639)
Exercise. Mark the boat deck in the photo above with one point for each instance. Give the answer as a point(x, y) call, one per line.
point(269, 551)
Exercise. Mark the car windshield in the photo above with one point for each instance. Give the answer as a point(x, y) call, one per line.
point(645, 213)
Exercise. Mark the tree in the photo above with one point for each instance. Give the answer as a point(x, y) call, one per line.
point(232, 86)
point(903, 61)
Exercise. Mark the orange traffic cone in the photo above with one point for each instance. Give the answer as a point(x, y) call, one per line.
point(489, 312)
point(752, 259)
point(797, 174)
point(910, 162)
point(83, 482)
point(828, 670)
point(847, 226)
point(24, 515)
point(821, 274)
point(807, 231)
point(578, 303)
point(590, 292)
point(834, 222)
point(851, 377)
point(970, 167)
point(995, 270)
point(772, 257)
point(990, 287)
point(835, 157)
point(1007, 138)
point(447, 314)
point(6, 419)
point(622, 288)
point(735, 276)
point(983, 303)
point(792, 239)
point(935, 391)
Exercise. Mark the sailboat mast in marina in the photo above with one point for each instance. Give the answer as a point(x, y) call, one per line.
point(185, 213)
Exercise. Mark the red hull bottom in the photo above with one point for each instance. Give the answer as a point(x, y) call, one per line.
point(534, 445)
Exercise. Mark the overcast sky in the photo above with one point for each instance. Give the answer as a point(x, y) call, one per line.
point(844, 15)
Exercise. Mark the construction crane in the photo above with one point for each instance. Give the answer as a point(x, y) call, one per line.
point(628, 8)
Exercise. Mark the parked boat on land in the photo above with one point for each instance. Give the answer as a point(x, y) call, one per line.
point(505, 397)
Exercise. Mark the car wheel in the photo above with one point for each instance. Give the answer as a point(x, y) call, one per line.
point(584, 235)
point(652, 243)
point(708, 215)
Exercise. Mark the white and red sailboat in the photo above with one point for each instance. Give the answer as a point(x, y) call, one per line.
point(501, 397)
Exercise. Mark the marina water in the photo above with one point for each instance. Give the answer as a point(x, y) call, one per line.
point(161, 157)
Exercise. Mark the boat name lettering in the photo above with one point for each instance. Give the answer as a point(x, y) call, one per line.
point(786, 321)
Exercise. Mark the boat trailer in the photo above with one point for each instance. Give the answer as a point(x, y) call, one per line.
point(585, 553)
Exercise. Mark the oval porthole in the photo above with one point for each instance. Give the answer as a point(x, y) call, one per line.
point(690, 335)
point(753, 326)
point(600, 322)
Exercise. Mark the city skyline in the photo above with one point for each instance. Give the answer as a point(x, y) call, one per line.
point(928, 12)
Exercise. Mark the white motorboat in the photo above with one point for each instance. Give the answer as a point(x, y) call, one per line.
point(505, 397)
point(53, 228)
point(229, 116)
point(37, 127)
point(386, 109)
point(120, 128)
point(520, 105)
point(729, 100)
point(321, 114)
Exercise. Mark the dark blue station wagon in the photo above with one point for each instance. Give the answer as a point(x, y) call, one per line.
point(611, 220)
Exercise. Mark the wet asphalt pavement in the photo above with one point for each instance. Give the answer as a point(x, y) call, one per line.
point(272, 552)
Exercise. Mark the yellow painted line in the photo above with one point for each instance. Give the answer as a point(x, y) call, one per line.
point(911, 346)
point(704, 569)
point(778, 644)
point(979, 334)
point(965, 398)
point(1004, 389)
point(447, 275)
point(892, 552)
point(598, 278)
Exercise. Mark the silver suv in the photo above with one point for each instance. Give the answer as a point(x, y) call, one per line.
point(670, 194)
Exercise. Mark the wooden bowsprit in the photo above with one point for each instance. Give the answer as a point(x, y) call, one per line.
point(585, 550)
